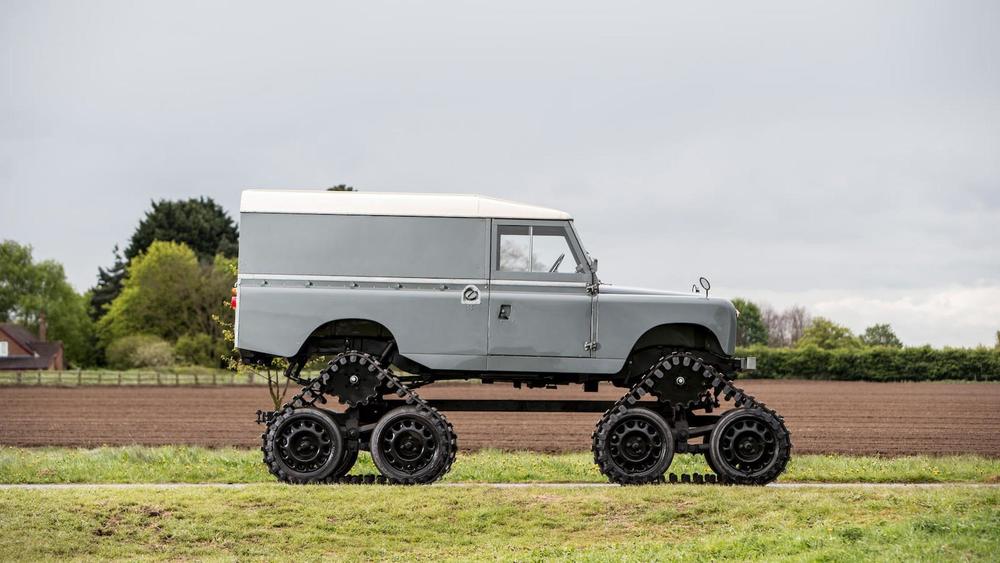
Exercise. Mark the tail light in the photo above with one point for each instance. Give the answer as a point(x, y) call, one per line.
point(232, 301)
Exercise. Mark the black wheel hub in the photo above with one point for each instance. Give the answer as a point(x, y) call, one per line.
point(408, 444)
point(304, 445)
point(635, 445)
point(748, 445)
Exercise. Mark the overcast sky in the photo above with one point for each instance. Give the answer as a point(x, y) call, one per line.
point(844, 156)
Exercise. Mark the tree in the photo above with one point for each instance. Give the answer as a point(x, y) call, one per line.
point(785, 328)
point(200, 223)
point(880, 335)
point(828, 335)
point(797, 320)
point(341, 188)
point(109, 286)
point(997, 345)
point(16, 274)
point(168, 293)
point(750, 327)
point(35, 293)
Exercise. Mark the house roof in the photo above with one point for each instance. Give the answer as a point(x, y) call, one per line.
point(25, 362)
point(21, 335)
point(399, 204)
point(41, 352)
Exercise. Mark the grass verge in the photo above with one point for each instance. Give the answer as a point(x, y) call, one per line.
point(271, 521)
point(187, 464)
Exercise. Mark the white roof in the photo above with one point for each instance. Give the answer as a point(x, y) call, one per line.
point(383, 203)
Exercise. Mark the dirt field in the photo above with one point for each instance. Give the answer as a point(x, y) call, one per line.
point(824, 417)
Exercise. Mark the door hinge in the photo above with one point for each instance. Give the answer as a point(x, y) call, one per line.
point(591, 346)
point(593, 288)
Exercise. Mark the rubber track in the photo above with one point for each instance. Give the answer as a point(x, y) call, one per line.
point(719, 384)
point(314, 392)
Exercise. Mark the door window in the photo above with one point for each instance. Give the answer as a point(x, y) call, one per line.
point(543, 249)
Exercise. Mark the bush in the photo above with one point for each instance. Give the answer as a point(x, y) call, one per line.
point(139, 351)
point(196, 350)
point(876, 363)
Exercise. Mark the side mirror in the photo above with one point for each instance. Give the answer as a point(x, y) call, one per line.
point(593, 265)
point(705, 284)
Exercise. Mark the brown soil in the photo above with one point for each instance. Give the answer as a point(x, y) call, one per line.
point(824, 417)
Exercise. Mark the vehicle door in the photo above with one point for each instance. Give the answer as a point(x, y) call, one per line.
point(539, 305)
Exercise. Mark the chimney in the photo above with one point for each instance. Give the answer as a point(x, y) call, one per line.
point(42, 328)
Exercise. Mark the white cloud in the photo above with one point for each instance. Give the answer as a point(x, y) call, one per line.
point(945, 316)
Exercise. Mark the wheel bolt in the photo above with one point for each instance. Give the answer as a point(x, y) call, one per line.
point(354, 380)
point(679, 381)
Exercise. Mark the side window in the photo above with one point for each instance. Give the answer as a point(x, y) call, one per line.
point(514, 253)
point(538, 249)
point(3, 349)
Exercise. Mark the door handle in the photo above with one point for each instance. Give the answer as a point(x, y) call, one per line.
point(504, 312)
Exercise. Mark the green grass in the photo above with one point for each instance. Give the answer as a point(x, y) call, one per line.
point(186, 464)
point(679, 523)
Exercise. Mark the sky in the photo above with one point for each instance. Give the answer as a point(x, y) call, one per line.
point(843, 156)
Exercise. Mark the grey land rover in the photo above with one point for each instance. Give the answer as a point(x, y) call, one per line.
point(397, 291)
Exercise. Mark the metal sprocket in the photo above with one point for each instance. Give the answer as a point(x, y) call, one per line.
point(681, 381)
point(353, 378)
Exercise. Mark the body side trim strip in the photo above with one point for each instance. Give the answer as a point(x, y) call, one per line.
point(371, 279)
point(366, 279)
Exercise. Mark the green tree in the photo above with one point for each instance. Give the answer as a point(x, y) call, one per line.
point(168, 293)
point(16, 277)
point(201, 224)
point(827, 335)
point(750, 327)
point(881, 335)
point(34, 293)
point(341, 188)
point(109, 286)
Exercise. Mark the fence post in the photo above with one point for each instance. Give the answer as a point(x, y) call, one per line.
point(99, 377)
point(138, 378)
point(158, 382)
point(79, 377)
point(213, 378)
point(196, 379)
point(18, 378)
point(119, 379)
point(39, 377)
point(59, 378)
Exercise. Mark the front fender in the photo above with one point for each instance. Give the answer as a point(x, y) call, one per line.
point(624, 318)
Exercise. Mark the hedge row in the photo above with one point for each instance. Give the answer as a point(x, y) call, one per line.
point(876, 364)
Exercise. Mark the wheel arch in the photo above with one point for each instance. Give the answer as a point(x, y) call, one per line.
point(335, 336)
point(689, 336)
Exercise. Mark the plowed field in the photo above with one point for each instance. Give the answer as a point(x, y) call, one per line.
point(824, 417)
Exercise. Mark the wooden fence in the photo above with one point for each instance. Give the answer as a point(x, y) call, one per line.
point(101, 377)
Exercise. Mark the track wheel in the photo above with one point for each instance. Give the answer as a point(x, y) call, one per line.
point(749, 447)
point(346, 464)
point(413, 445)
point(633, 446)
point(303, 446)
